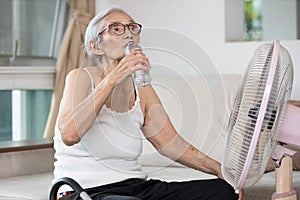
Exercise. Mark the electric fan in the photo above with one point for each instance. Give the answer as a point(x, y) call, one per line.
point(261, 123)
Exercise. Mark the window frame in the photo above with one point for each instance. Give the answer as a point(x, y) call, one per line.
point(32, 72)
point(27, 77)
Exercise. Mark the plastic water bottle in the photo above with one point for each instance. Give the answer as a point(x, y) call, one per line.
point(140, 78)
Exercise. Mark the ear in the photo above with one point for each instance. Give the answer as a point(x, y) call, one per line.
point(96, 49)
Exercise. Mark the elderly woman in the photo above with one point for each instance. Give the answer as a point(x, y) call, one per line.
point(103, 114)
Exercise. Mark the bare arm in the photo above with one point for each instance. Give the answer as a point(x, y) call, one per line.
point(79, 106)
point(160, 132)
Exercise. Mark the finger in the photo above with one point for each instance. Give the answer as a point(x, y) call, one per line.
point(136, 54)
point(131, 63)
point(136, 60)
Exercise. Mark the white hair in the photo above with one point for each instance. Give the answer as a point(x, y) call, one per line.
point(93, 30)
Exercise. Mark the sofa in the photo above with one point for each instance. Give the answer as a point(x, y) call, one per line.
point(199, 108)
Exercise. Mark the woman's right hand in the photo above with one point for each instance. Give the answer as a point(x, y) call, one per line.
point(121, 69)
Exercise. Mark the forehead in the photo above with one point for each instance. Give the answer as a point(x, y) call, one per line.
point(116, 16)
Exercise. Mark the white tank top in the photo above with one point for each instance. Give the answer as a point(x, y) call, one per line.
point(107, 152)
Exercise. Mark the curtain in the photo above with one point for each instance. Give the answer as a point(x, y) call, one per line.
point(71, 54)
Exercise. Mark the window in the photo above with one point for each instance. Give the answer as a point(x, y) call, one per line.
point(31, 32)
point(252, 20)
point(24, 113)
point(31, 27)
point(262, 20)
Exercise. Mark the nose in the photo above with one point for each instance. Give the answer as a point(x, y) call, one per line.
point(127, 33)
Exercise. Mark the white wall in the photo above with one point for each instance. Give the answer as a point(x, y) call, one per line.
point(178, 30)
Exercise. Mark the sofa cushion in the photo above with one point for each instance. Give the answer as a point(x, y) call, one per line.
point(199, 108)
point(34, 186)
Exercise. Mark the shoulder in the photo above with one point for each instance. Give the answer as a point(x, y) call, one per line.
point(74, 73)
point(78, 80)
point(83, 73)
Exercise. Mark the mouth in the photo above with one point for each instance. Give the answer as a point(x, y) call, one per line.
point(129, 41)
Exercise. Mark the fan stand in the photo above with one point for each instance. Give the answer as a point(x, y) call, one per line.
point(284, 178)
point(288, 134)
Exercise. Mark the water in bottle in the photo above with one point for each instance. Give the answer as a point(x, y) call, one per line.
point(140, 78)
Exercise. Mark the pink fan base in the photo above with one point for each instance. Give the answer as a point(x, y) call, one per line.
point(285, 195)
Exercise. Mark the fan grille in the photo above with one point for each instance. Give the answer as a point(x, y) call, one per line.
point(245, 114)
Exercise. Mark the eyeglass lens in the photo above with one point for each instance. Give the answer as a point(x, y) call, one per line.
point(119, 29)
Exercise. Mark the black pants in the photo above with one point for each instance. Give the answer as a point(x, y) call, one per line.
point(137, 189)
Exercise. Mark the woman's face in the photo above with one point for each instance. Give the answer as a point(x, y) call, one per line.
point(113, 46)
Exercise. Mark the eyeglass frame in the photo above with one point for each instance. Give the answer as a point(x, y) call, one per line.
point(124, 25)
